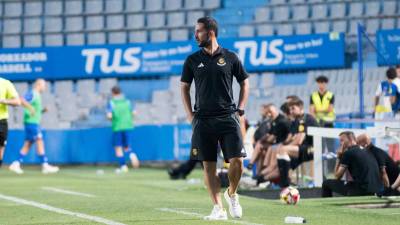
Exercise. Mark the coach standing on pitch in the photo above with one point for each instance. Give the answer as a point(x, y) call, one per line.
point(215, 118)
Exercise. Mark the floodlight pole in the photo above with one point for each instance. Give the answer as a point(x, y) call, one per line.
point(360, 30)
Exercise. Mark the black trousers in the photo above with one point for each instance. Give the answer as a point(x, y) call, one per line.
point(338, 186)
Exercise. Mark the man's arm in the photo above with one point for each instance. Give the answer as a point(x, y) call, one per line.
point(244, 93)
point(27, 105)
point(11, 101)
point(339, 170)
point(187, 103)
point(384, 177)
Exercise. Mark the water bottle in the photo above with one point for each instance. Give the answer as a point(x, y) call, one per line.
point(294, 219)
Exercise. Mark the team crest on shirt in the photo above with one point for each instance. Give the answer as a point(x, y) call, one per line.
point(194, 151)
point(221, 62)
point(301, 128)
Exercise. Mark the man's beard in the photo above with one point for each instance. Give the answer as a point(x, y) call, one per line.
point(205, 43)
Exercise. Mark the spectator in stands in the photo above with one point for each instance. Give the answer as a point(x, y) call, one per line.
point(300, 149)
point(396, 81)
point(322, 108)
point(8, 97)
point(214, 119)
point(361, 165)
point(121, 113)
point(386, 97)
point(33, 110)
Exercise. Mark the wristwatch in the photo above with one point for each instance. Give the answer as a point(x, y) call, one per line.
point(240, 112)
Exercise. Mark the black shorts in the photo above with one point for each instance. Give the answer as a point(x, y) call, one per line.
point(208, 132)
point(306, 154)
point(3, 132)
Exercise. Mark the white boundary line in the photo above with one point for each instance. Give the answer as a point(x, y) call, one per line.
point(63, 191)
point(198, 215)
point(59, 210)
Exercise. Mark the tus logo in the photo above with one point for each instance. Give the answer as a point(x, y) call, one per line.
point(268, 53)
point(121, 61)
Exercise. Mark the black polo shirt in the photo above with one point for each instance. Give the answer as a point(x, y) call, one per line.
point(384, 161)
point(213, 77)
point(301, 125)
point(280, 128)
point(363, 168)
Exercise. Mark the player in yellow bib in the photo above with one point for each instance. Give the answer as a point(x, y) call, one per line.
point(8, 96)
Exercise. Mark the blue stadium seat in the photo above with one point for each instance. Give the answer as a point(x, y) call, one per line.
point(53, 24)
point(134, 5)
point(155, 20)
point(33, 8)
point(138, 36)
point(53, 7)
point(74, 23)
point(319, 11)
point(262, 14)
point(93, 6)
point(158, 35)
point(179, 34)
point(118, 37)
point(96, 38)
point(176, 19)
point(33, 40)
point(172, 4)
point(32, 25)
point(75, 39)
point(73, 7)
point(115, 22)
point(135, 21)
point(114, 6)
point(94, 23)
point(54, 40)
point(13, 8)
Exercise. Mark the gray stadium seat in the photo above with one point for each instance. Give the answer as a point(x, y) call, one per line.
point(265, 30)
point(172, 4)
point(33, 25)
point(11, 41)
point(281, 13)
point(300, 12)
point(85, 86)
point(372, 8)
point(338, 10)
point(388, 23)
point(74, 23)
point(153, 5)
point(105, 85)
point(138, 36)
point(296, 1)
point(94, 23)
point(115, 22)
point(73, 7)
point(53, 7)
point(63, 87)
point(276, 2)
point(117, 37)
point(246, 31)
point(321, 27)
point(303, 28)
point(179, 34)
point(53, 40)
point(356, 9)
point(176, 19)
point(114, 6)
point(211, 4)
point(192, 4)
point(33, 40)
point(155, 20)
point(53, 24)
point(33, 8)
point(93, 6)
point(135, 21)
point(192, 16)
point(353, 27)
point(372, 26)
point(134, 5)
point(285, 29)
point(11, 26)
point(389, 8)
point(339, 26)
point(319, 11)
point(75, 39)
point(262, 14)
point(158, 35)
point(96, 38)
point(13, 8)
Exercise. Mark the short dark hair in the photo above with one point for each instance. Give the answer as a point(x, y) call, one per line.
point(285, 108)
point(348, 134)
point(398, 66)
point(391, 73)
point(116, 90)
point(322, 79)
point(210, 24)
point(297, 102)
point(292, 97)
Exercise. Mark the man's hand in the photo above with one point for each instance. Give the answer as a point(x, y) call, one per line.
point(31, 111)
point(190, 117)
point(340, 152)
point(2, 101)
point(45, 110)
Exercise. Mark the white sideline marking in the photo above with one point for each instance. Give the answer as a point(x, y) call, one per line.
point(59, 210)
point(67, 192)
point(198, 215)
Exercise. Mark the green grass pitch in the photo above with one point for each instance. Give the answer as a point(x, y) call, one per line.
point(140, 197)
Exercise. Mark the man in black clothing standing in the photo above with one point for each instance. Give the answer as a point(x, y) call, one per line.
point(216, 117)
point(361, 165)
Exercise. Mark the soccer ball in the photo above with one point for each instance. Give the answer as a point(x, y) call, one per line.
point(290, 196)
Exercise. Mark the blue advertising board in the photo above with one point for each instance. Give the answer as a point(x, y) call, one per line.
point(257, 54)
point(388, 42)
